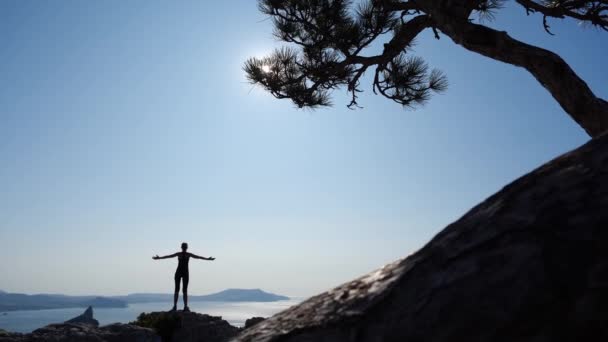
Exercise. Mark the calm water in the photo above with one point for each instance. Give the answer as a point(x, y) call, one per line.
point(234, 312)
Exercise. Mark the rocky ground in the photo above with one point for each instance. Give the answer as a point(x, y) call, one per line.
point(149, 327)
point(84, 328)
point(188, 326)
point(75, 332)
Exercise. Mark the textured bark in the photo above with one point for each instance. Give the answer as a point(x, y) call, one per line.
point(570, 91)
point(530, 263)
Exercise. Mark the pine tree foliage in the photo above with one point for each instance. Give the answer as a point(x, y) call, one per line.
point(332, 44)
point(329, 39)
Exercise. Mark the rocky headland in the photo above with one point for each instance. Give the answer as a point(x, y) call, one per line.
point(149, 327)
point(85, 318)
point(84, 328)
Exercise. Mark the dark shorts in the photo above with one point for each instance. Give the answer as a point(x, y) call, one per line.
point(185, 277)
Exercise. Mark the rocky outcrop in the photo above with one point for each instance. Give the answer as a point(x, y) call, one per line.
point(68, 332)
point(85, 318)
point(149, 327)
point(187, 326)
point(253, 321)
point(530, 263)
point(197, 327)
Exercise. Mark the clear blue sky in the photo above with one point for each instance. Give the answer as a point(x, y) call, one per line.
point(128, 127)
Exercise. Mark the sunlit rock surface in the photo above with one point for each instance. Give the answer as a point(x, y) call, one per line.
point(528, 264)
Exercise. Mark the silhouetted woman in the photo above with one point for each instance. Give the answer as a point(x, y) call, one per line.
point(182, 272)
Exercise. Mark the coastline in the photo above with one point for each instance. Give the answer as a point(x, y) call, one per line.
point(236, 313)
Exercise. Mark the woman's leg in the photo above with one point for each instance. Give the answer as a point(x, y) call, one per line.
point(186, 279)
point(176, 293)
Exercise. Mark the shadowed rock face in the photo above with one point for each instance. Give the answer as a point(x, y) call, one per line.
point(528, 264)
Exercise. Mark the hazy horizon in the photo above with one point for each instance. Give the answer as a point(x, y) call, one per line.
point(168, 292)
point(128, 128)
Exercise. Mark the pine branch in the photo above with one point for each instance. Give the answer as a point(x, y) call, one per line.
point(594, 12)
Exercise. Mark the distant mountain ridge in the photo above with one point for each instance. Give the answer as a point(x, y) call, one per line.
point(229, 295)
point(20, 301)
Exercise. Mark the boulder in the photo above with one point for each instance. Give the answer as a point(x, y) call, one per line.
point(85, 318)
point(6, 336)
point(253, 321)
point(188, 326)
point(530, 263)
point(4, 333)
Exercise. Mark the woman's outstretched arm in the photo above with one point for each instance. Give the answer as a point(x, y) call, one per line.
point(156, 257)
point(200, 257)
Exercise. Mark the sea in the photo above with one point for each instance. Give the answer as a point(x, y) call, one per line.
point(234, 312)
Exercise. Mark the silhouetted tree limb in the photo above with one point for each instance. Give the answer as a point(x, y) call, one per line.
point(305, 77)
point(570, 91)
point(337, 41)
point(592, 12)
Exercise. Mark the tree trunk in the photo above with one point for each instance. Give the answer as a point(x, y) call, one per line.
point(570, 91)
point(528, 264)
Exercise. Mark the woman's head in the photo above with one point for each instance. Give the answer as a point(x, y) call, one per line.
point(184, 246)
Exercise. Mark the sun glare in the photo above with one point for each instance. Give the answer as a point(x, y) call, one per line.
point(266, 68)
